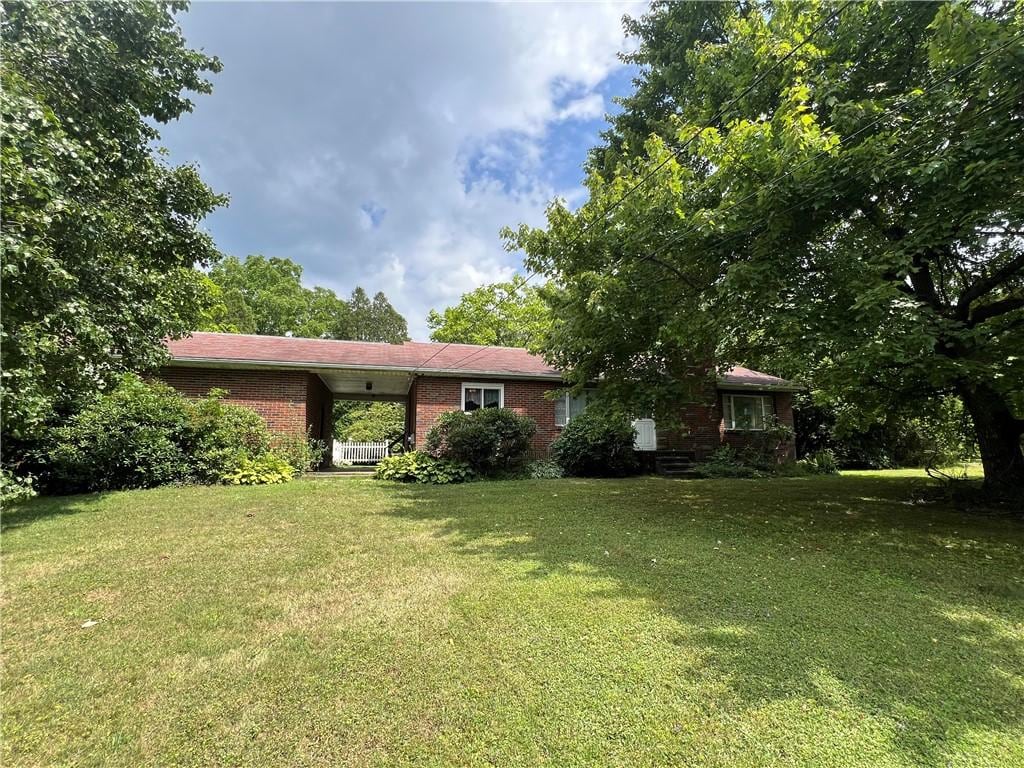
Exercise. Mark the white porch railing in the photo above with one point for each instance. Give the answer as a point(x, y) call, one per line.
point(349, 452)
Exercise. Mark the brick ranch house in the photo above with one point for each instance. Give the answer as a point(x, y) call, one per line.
point(292, 383)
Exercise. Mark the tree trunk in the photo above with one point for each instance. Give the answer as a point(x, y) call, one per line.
point(999, 438)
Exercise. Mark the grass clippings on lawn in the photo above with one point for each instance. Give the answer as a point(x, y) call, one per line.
point(801, 622)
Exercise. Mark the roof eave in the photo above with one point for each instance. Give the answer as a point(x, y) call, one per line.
point(243, 364)
point(754, 387)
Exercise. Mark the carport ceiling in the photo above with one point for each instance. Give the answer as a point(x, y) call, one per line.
point(352, 382)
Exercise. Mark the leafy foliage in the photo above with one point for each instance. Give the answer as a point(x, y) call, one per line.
point(375, 320)
point(933, 433)
point(822, 462)
point(267, 469)
point(762, 454)
point(854, 215)
point(266, 296)
point(302, 452)
point(510, 314)
point(14, 488)
point(490, 440)
point(596, 444)
point(544, 469)
point(726, 462)
point(420, 467)
point(218, 432)
point(100, 236)
point(368, 422)
point(135, 436)
point(144, 434)
point(766, 449)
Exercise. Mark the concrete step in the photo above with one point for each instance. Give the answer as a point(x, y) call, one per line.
point(353, 471)
point(674, 463)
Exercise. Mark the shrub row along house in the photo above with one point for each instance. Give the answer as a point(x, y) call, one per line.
point(293, 383)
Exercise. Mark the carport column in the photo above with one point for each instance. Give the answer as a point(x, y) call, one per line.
point(410, 415)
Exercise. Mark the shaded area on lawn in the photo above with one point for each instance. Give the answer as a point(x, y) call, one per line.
point(839, 590)
point(26, 513)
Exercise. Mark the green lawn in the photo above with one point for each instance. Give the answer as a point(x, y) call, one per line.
point(822, 621)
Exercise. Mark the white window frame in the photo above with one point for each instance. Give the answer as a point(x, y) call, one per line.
point(482, 386)
point(566, 398)
point(729, 413)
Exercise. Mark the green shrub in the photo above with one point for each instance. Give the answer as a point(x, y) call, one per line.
point(368, 422)
point(134, 436)
point(762, 455)
point(595, 444)
point(221, 433)
point(144, 434)
point(925, 432)
point(420, 467)
point(726, 462)
point(821, 462)
point(14, 488)
point(764, 448)
point(302, 452)
point(544, 469)
point(267, 469)
point(490, 440)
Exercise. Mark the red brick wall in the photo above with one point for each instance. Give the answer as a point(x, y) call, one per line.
point(319, 409)
point(294, 401)
point(431, 396)
point(282, 398)
point(704, 430)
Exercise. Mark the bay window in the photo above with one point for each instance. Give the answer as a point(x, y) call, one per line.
point(747, 412)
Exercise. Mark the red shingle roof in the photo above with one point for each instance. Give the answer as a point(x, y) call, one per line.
point(744, 377)
point(240, 349)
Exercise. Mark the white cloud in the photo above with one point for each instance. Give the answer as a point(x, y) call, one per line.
point(324, 108)
point(590, 106)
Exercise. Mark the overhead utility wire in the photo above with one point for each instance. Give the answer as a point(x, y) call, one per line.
point(674, 154)
point(771, 183)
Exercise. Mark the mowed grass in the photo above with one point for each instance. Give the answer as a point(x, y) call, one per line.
point(791, 622)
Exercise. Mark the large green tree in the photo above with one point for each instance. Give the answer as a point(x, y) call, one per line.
point(100, 235)
point(509, 314)
point(855, 208)
point(376, 320)
point(266, 296)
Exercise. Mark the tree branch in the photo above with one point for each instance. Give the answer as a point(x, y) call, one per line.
point(985, 284)
point(995, 309)
point(672, 268)
point(924, 285)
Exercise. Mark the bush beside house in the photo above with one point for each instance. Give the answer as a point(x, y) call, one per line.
point(760, 457)
point(491, 441)
point(596, 444)
point(143, 434)
point(421, 467)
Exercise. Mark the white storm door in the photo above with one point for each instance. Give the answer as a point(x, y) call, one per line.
point(646, 436)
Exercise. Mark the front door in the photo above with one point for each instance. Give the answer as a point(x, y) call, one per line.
point(646, 436)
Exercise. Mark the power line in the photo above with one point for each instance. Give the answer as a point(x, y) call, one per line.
point(674, 154)
point(767, 185)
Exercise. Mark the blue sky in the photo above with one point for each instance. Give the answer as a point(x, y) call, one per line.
point(385, 145)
